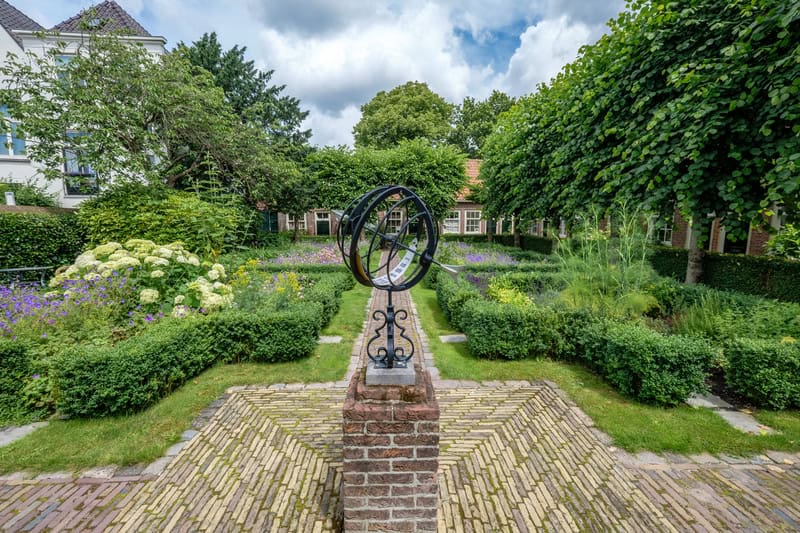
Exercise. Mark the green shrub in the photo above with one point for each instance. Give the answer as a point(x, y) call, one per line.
point(501, 331)
point(161, 215)
point(266, 337)
point(28, 194)
point(766, 372)
point(15, 371)
point(531, 282)
point(786, 243)
point(669, 262)
point(646, 365)
point(452, 295)
point(540, 245)
point(769, 277)
point(29, 240)
point(106, 381)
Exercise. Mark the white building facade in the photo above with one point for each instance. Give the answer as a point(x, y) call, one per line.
point(19, 34)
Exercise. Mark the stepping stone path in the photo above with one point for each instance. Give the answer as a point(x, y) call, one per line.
point(516, 456)
point(455, 338)
point(737, 418)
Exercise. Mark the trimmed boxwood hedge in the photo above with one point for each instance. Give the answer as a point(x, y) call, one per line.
point(641, 363)
point(107, 381)
point(39, 239)
point(542, 245)
point(766, 372)
point(763, 276)
point(502, 331)
point(644, 364)
point(15, 368)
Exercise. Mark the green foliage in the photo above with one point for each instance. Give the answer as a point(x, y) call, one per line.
point(409, 111)
point(15, 371)
point(475, 120)
point(528, 243)
point(786, 243)
point(453, 294)
point(27, 194)
point(138, 115)
point(249, 93)
point(149, 212)
point(33, 239)
point(765, 372)
point(107, 381)
point(608, 273)
point(529, 282)
point(693, 106)
point(763, 276)
point(669, 262)
point(644, 364)
point(436, 174)
point(500, 331)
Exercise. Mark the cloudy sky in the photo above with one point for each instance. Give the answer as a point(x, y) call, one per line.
point(335, 55)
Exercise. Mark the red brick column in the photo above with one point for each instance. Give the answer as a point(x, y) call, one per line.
point(391, 456)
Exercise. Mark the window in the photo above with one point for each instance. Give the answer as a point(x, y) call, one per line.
point(472, 222)
point(452, 222)
point(12, 145)
point(665, 234)
point(300, 222)
point(80, 179)
point(394, 222)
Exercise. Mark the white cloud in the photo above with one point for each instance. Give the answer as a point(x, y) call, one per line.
point(332, 128)
point(544, 49)
point(350, 67)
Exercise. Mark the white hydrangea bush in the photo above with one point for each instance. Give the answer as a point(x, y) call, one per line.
point(164, 277)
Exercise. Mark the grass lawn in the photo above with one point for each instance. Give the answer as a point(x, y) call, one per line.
point(632, 425)
point(143, 437)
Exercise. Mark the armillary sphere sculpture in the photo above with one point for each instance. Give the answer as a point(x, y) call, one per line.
point(388, 238)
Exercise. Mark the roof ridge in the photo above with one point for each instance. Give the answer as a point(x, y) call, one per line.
point(112, 13)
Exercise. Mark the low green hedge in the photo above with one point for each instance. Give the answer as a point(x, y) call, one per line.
point(534, 282)
point(765, 372)
point(644, 364)
point(38, 239)
point(542, 245)
point(304, 269)
point(15, 369)
point(501, 331)
point(760, 275)
point(452, 295)
point(107, 381)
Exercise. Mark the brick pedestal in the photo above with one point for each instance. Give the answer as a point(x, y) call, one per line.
point(391, 455)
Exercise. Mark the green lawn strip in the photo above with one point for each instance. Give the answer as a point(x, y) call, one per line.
point(143, 437)
point(633, 426)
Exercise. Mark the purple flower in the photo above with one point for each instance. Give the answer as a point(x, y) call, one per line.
point(36, 376)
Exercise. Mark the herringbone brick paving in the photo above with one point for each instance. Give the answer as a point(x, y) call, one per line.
point(515, 456)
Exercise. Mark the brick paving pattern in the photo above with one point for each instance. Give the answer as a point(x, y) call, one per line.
point(516, 456)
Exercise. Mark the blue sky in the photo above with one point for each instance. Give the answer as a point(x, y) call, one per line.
point(335, 55)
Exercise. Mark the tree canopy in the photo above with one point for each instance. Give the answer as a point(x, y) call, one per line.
point(250, 94)
point(130, 115)
point(436, 174)
point(474, 120)
point(409, 111)
point(691, 105)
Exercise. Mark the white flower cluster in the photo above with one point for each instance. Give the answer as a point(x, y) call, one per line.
point(154, 268)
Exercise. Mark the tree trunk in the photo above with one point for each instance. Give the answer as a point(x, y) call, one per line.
point(490, 224)
point(694, 267)
point(517, 237)
point(296, 236)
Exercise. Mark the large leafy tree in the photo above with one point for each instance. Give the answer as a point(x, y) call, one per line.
point(435, 173)
point(474, 120)
point(251, 95)
point(690, 105)
point(130, 115)
point(409, 111)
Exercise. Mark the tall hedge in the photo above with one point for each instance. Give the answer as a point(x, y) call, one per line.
point(15, 367)
point(39, 239)
point(763, 276)
point(161, 215)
